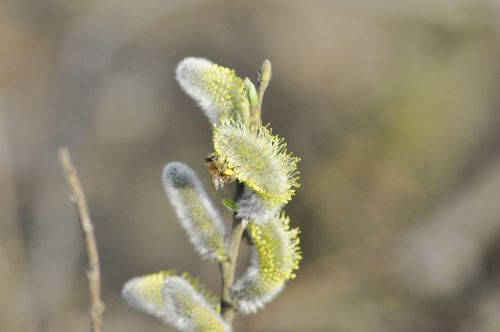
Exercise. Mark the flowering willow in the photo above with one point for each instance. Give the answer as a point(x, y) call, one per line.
point(215, 88)
point(245, 152)
point(258, 159)
point(276, 257)
point(196, 213)
point(178, 300)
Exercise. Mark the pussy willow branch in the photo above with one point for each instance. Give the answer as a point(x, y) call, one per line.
point(93, 273)
point(228, 309)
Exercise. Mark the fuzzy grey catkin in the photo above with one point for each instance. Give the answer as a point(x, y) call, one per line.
point(196, 213)
point(187, 310)
point(216, 89)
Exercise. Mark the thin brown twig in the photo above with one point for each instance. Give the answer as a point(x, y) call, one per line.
point(93, 273)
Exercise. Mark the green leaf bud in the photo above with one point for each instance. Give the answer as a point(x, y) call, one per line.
point(230, 204)
point(253, 98)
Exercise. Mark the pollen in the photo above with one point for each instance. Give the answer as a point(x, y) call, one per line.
point(278, 249)
point(224, 87)
point(217, 89)
point(145, 292)
point(188, 310)
point(258, 158)
point(150, 286)
point(276, 258)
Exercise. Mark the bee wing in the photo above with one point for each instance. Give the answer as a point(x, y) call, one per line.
point(218, 182)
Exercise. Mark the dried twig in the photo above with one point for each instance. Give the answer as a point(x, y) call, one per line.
point(93, 274)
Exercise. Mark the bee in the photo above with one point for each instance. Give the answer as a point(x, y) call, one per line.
point(218, 168)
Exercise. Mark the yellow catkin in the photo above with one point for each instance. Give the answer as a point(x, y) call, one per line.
point(278, 249)
point(258, 159)
point(149, 286)
point(225, 88)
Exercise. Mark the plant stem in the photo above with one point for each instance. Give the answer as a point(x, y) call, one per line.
point(93, 274)
point(228, 310)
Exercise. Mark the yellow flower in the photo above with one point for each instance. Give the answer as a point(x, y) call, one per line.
point(277, 257)
point(216, 89)
point(278, 249)
point(258, 159)
point(144, 293)
point(187, 309)
point(178, 300)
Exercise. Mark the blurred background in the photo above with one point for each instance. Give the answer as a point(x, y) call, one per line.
point(394, 107)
